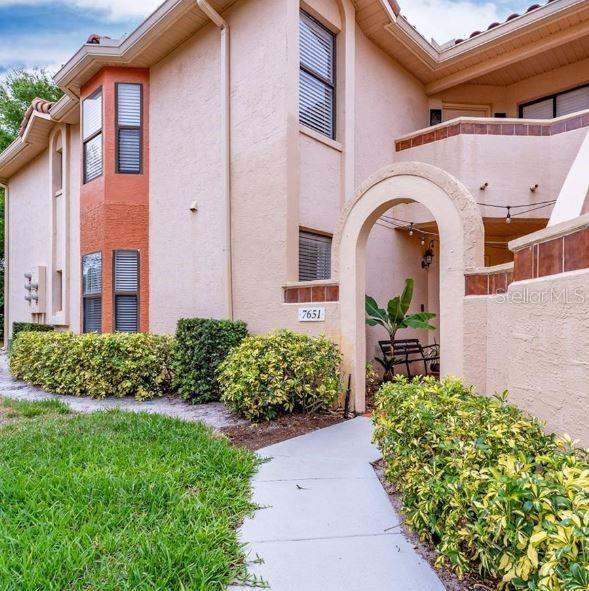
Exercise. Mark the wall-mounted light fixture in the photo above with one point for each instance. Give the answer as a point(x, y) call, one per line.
point(194, 207)
point(484, 186)
point(534, 188)
point(428, 256)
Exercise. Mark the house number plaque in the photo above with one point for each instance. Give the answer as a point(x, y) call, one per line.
point(311, 314)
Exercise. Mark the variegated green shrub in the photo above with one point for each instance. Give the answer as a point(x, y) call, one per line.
point(484, 483)
point(95, 365)
point(278, 373)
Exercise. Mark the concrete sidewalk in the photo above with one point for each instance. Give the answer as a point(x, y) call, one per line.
point(326, 522)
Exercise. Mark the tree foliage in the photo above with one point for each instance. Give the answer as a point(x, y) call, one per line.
point(17, 92)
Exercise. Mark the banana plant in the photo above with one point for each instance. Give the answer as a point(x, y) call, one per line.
point(395, 316)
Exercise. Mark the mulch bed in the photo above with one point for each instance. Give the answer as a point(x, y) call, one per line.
point(450, 581)
point(254, 436)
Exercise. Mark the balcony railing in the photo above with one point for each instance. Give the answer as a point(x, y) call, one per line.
point(493, 126)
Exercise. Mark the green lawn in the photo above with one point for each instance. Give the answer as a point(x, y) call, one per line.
point(117, 501)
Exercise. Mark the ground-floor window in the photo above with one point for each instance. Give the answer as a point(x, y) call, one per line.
point(314, 256)
point(92, 292)
point(126, 290)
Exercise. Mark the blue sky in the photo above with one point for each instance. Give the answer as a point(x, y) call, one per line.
point(45, 33)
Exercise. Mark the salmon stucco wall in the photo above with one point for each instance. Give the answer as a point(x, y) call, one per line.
point(114, 207)
point(187, 247)
point(29, 215)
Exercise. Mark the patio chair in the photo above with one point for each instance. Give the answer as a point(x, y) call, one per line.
point(408, 352)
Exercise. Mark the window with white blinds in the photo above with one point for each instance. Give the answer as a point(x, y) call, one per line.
point(317, 76)
point(563, 103)
point(129, 122)
point(314, 256)
point(92, 135)
point(92, 291)
point(126, 292)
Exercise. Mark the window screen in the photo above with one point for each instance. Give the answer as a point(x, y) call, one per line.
point(563, 103)
point(126, 281)
point(314, 256)
point(317, 76)
point(92, 291)
point(92, 135)
point(573, 101)
point(129, 128)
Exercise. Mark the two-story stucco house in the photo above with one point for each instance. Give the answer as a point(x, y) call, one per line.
point(255, 159)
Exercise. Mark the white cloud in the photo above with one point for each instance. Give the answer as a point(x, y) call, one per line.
point(46, 50)
point(449, 19)
point(114, 10)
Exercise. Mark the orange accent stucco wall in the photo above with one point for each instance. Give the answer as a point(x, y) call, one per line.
point(114, 208)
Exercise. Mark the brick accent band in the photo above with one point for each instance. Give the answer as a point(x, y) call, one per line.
point(311, 295)
point(550, 257)
point(493, 128)
point(488, 283)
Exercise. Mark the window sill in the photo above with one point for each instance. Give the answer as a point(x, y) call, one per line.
point(320, 138)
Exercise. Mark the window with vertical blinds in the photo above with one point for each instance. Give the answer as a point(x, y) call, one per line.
point(129, 122)
point(126, 290)
point(92, 135)
point(92, 292)
point(557, 105)
point(314, 256)
point(316, 76)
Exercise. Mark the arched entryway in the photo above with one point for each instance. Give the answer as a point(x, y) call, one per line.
point(462, 248)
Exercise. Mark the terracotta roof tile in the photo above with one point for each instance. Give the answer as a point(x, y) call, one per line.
point(40, 105)
point(496, 24)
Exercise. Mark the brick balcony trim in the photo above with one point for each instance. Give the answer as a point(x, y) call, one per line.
point(488, 280)
point(492, 126)
point(311, 292)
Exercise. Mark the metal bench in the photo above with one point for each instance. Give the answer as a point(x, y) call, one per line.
point(410, 351)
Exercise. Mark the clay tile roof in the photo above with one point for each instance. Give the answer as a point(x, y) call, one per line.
point(509, 18)
point(40, 105)
point(96, 39)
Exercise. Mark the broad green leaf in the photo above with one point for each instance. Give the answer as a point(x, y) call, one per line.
point(407, 296)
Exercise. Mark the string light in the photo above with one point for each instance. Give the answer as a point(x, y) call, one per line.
point(508, 218)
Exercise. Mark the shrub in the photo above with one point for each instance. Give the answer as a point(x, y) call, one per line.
point(483, 482)
point(282, 372)
point(201, 345)
point(18, 327)
point(95, 365)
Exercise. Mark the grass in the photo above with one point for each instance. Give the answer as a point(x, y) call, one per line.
point(25, 408)
point(119, 501)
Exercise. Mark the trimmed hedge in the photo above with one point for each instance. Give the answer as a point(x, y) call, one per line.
point(484, 483)
point(282, 372)
point(18, 327)
point(95, 365)
point(201, 345)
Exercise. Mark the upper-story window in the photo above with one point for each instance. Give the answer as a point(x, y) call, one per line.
point(557, 105)
point(317, 76)
point(92, 135)
point(129, 122)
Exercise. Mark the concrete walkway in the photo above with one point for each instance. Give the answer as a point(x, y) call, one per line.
point(326, 522)
point(214, 414)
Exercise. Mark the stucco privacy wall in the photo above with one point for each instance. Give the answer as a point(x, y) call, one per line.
point(187, 263)
point(533, 342)
point(75, 269)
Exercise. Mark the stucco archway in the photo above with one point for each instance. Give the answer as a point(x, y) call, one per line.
point(461, 248)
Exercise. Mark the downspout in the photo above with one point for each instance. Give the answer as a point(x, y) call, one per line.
point(226, 127)
point(4, 185)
